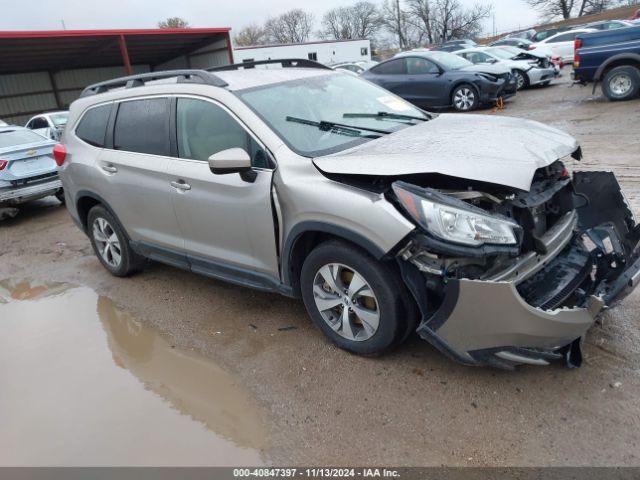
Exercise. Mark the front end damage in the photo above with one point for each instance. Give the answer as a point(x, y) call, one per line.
point(530, 303)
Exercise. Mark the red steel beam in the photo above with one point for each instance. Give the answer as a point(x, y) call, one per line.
point(110, 33)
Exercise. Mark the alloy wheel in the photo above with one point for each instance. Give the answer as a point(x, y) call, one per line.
point(621, 84)
point(346, 302)
point(464, 99)
point(107, 242)
point(519, 80)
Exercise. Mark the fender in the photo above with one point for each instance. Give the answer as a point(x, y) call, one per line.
point(88, 194)
point(621, 56)
point(321, 227)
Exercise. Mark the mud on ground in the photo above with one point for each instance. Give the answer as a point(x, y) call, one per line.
point(319, 405)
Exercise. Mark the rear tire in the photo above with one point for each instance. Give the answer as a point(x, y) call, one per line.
point(60, 196)
point(111, 244)
point(621, 83)
point(465, 98)
point(368, 318)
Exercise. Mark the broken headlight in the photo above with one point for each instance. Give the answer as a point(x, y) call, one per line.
point(454, 221)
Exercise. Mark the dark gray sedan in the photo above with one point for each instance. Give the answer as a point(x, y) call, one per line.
point(434, 79)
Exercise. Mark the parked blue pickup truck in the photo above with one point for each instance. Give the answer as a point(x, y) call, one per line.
point(611, 57)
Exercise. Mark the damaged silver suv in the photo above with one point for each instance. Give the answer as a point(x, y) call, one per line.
point(383, 218)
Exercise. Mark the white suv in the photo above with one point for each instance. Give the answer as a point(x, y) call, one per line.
point(385, 219)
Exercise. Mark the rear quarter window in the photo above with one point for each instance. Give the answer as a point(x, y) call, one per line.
point(93, 126)
point(392, 67)
point(142, 126)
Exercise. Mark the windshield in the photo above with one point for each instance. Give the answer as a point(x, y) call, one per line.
point(12, 138)
point(59, 119)
point(327, 98)
point(500, 53)
point(449, 61)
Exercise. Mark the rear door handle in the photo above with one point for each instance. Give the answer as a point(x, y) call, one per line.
point(181, 185)
point(109, 168)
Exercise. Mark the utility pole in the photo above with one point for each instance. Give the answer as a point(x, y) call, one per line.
point(64, 27)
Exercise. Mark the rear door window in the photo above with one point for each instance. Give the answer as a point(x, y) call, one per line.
point(142, 126)
point(38, 123)
point(93, 125)
point(205, 128)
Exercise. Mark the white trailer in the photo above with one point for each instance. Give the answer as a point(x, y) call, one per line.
point(327, 52)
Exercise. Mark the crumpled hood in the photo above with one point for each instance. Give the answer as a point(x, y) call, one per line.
point(500, 150)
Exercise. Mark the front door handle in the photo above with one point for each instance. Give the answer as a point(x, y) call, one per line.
point(109, 168)
point(181, 185)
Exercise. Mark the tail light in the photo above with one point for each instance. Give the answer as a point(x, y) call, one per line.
point(532, 47)
point(3, 164)
point(576, 56)
point(59, 154)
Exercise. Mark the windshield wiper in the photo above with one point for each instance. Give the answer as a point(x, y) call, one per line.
point(339, 128)
point(392, 116)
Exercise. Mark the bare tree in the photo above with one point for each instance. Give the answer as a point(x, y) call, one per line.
point(366, 19)
point(294, 26)
point(250, 35)
point(553, 8)
point(394, 18)
point(587, 7)
point(421, 13)
point(173, 22)
point(360, 20)
point(452, 20)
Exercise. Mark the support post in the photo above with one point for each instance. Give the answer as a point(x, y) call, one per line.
point(125, 55)
point(230, 48)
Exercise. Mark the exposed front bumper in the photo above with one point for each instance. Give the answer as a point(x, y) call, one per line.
point(497, 322)
point(541, 75)
point(492, 91)
point(30, 191)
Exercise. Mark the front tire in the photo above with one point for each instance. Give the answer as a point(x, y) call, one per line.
point(465, 98)
point(621, 83)
point(110, 243)
point(357, 301)
point(522, 79)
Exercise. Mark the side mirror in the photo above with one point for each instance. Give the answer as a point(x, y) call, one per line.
point(232, 160)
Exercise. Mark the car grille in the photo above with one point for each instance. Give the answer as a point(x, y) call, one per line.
point(552, 286)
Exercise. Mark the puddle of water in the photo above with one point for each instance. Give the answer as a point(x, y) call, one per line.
point(83, 383)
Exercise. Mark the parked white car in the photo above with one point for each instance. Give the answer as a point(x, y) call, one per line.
point(355, 68)
point(528, 70)
point(49, 124)
point(561, 44)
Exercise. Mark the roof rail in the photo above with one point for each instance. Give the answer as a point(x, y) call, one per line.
point(284, 62)
point(132, 81)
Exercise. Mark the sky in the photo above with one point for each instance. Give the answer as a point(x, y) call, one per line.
point(92, 14)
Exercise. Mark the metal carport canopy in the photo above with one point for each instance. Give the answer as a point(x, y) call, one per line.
point(55, 50)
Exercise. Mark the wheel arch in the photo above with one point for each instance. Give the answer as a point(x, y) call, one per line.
point(631, 59)
point(460, 82)
point(305, 236)
point(85, 201)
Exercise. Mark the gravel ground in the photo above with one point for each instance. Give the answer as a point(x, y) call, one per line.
point(413, 407)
